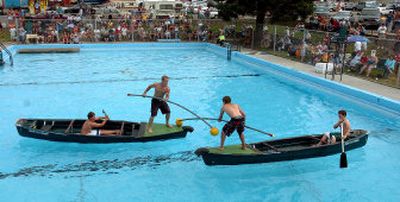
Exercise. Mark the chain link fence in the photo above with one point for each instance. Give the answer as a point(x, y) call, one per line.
point(308, 46)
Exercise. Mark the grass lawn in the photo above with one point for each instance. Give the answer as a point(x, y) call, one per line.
point(4, 35)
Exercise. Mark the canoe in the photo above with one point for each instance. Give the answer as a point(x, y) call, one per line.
point(66, 130)
point(301, 147)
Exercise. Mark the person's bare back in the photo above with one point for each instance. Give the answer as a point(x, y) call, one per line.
point(236, 123)
point(233, 110)
point(86, 128)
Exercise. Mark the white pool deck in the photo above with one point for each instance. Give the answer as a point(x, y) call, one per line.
point(353, 81)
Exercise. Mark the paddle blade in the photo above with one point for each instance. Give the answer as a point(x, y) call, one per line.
point(343, 160)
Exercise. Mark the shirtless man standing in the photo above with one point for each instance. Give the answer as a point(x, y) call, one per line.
point(236, 123)
point(327, 138)
point(160, 90)
point(87, 128)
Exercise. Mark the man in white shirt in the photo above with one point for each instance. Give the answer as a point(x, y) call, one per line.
point(381, 34)
point(357, 46)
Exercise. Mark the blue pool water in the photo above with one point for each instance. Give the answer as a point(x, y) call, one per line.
point(70, 85)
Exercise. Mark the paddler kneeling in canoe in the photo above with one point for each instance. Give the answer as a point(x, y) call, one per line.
point(236, 123)
point(327, 138)
point(90, 127)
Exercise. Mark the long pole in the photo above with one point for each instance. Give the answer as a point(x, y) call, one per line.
point(214, 119)
point(190, 111)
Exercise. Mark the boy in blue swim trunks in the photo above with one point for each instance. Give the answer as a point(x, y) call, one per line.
point(236, 123)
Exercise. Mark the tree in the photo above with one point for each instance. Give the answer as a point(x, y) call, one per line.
point(279, 10)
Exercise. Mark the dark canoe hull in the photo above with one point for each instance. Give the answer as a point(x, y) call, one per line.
point(30, 132)
point(275, 156)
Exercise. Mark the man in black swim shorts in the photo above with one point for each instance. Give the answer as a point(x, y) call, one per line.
point(159, 102)
point(236, 123)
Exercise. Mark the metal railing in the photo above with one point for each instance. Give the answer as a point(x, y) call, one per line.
point(3, 47)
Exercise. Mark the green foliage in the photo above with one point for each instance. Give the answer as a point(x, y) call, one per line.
point(4, 35)
point(280, 9)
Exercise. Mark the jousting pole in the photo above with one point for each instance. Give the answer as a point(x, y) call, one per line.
point(214, 119)
point(179, 122)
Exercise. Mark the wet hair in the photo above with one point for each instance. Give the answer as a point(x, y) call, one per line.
point(226, 99)
point(90, 115)
point(164, 77)
point(342, 112)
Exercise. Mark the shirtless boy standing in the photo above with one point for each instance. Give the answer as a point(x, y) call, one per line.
point(236, 123)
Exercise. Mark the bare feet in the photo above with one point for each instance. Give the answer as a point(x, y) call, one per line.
point(149, 130)
point(221, 148)
point(168, 125)
point(243, 148)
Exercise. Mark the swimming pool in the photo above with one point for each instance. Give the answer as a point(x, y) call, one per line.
point(277, 100)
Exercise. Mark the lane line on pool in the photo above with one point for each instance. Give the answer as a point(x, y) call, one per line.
point(124, 80)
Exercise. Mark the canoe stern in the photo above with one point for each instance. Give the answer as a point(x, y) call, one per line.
point(202, 151)
point(188, 129)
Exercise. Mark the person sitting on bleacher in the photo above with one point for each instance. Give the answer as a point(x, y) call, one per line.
point(371, 63)
point(356, 60)
point(389, 66)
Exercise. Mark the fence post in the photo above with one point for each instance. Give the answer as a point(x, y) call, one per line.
point(274, 38)
point(252, 38)
point(17, 29)
point(343, 59)
point(132, 30)
point(398, 76)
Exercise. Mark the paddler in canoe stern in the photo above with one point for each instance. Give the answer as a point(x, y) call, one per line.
point(236, 123)
point(90, 127)
point(327, 138)
point(160, 90)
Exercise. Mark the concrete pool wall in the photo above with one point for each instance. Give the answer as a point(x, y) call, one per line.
point(360, 95)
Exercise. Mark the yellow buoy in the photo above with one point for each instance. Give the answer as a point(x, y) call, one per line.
point(179, 122)
point(214, 131)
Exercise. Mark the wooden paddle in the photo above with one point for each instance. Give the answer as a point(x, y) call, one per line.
point(343, 156)
point(251, 128)
point(105, 114)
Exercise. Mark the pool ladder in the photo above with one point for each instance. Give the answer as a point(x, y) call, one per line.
point(3, 47)
point(228, 51)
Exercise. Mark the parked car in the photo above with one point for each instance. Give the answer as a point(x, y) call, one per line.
point(370, 17)
point(322, 11)
point(350, 6)
point(366, 4)
point(342, 15)
point(385, 10)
